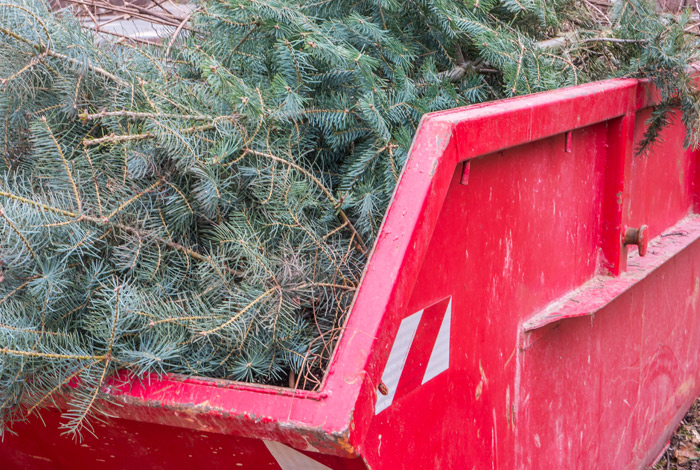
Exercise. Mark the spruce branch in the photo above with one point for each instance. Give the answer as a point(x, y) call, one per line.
point(32, 332)
point(117, 139)
point(106, 221)
point(142, 115)
point(241, 312)
point(59, 386)
point(15, 290)
point(358, 239)
point(66, 166)
point(63, 357)
point(32, 63)
point(48, 52)
point(17, 232)
point(133, 199)
point(229, 183)
point(74, 426)
point(39, 205)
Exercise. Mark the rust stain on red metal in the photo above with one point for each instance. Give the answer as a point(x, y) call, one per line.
point(637, 236)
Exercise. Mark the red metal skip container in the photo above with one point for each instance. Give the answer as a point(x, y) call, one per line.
point(506, 319)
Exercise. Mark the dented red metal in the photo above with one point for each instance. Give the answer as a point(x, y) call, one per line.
point(502, 321)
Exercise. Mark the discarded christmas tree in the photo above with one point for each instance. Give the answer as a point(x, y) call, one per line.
point(206, 207)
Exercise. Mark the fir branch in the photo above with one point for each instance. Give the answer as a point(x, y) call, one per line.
point(358, 239)
point(74, 426)
point(17, 232)
point(40, 355)
point(240, 313)
point(141, 115)
point(59, 386)
point(59, 150)
point(133, 199)
point(71, 60)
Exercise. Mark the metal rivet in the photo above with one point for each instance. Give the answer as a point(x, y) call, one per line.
point(637, 236)
point(383, 389)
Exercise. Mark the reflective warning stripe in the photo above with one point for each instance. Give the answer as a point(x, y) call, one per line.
point(440, 357)
point(397, 359)
point(290, 459)
point(435, 364)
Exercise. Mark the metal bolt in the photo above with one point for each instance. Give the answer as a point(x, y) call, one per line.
point(637, 236)
point(383, 389)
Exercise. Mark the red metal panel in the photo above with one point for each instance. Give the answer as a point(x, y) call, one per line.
point(523, 231)
point(533, 224)
point(501, 321)
point(136, 445)
point(661, 189)
point(606, 391)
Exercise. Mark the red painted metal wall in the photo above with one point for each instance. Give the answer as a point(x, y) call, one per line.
point(501, 321)
point(529, 239)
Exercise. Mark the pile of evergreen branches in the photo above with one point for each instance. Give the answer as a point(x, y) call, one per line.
point(206, 207)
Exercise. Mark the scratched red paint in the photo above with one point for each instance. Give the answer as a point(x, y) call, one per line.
point(533, 381)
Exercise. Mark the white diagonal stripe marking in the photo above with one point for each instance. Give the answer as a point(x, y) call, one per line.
point(440, 357)
point(290, 459)
point(397, 359)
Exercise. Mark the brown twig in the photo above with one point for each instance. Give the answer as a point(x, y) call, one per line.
point(177, 32)
point(122, 36)
point(133, 11)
